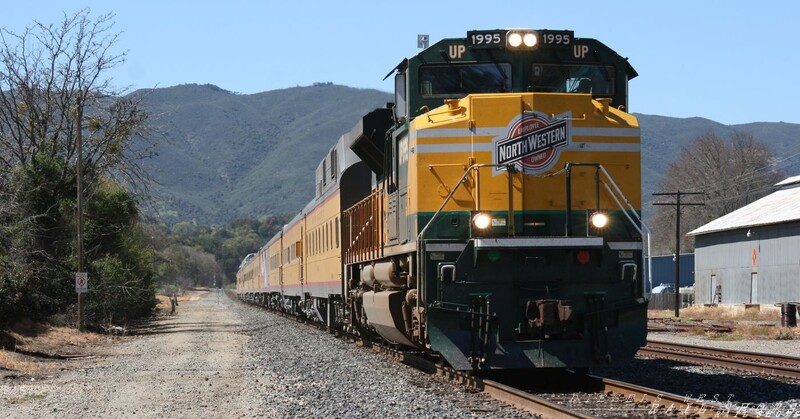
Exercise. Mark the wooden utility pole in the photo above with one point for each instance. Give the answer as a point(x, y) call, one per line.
point(677, 205)
point(79, 221)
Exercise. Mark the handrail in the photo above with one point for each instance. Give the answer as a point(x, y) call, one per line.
point(452, 192)
point(644, 230)
point(421, 265)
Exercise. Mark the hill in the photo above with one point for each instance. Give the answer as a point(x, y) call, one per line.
point(663, 137)
point(224, 155)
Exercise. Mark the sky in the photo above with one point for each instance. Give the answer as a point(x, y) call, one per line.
point(720, 60)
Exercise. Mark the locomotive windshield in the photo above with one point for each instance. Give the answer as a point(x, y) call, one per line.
point(595, 79)
point(453, 79)
point(462, 79)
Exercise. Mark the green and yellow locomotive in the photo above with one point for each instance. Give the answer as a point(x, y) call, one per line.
point(490, 214)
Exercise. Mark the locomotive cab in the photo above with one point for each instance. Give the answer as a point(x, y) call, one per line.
point(486, 62)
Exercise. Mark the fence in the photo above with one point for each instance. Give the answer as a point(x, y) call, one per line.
point(666, 301)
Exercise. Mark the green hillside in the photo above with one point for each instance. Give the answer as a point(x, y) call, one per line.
point(224, 156)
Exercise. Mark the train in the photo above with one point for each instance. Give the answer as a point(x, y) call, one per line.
point(490, 215)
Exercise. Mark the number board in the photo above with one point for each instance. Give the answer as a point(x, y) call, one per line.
point(556, 38)
point(486, 39)
point(497, 38)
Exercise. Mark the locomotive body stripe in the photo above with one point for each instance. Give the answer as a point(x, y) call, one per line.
point(605, 132)
point(488, 147)
point(532, 242)
point(445, 247)
point(502, 131)
point(625, 245)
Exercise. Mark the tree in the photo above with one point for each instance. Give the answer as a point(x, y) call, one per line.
point(16, 268)
point(120, 260)
point(731, 173)
point(54, 89)
point(53, 80)
point(186, 266)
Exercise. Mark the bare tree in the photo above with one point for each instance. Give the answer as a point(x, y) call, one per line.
point(731, 173)
point(55, 85)
point(51, 75)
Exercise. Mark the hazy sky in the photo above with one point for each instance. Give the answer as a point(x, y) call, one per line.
point(729, 61)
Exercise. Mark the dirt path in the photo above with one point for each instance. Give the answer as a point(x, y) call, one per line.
point(188, 365)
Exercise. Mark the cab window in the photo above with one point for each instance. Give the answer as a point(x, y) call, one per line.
point(598, 80)
point(463, 79)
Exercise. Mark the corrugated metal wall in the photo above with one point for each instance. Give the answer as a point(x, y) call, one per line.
point(763, 268)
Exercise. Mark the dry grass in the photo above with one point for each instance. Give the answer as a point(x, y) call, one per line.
point(752, 331)
point(44, 339)
point(752, 323)
point(733, 313)
point(163, 300)
point(697, 331)
point(17, 362)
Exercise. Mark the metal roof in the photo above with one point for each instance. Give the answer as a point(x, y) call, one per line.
point(789, 181)
point(779, 207)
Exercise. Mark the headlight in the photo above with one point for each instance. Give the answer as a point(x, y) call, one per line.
point(522, 39)
point(481, 220)
point(599, 220)
point(529, 39)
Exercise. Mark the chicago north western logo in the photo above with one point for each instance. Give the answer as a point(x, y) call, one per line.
point(534, 140)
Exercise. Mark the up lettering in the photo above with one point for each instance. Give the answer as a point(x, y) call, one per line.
point(456, 51)
point(580, 51)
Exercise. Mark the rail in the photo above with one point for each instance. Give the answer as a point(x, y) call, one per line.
point(751, 362)
point(663, 403)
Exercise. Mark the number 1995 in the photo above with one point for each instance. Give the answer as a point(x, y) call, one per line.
point(486, 39)
point(556, 39)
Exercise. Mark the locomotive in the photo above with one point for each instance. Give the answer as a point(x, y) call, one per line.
point(490, 214)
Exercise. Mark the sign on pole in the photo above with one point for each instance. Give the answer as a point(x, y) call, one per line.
point(81, 282)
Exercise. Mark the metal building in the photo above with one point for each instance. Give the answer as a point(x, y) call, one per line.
point(752, 255)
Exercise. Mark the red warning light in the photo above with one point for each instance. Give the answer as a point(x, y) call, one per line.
point(583, 257)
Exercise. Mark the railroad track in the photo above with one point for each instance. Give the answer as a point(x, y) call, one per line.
point(750, 362)
point(613, 399)
point(587, 396)
point(685, 325)
point(583, 396)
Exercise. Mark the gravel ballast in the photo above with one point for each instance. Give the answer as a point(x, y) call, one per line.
point(742, 392)
point(222, 358)
point(226, 359)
